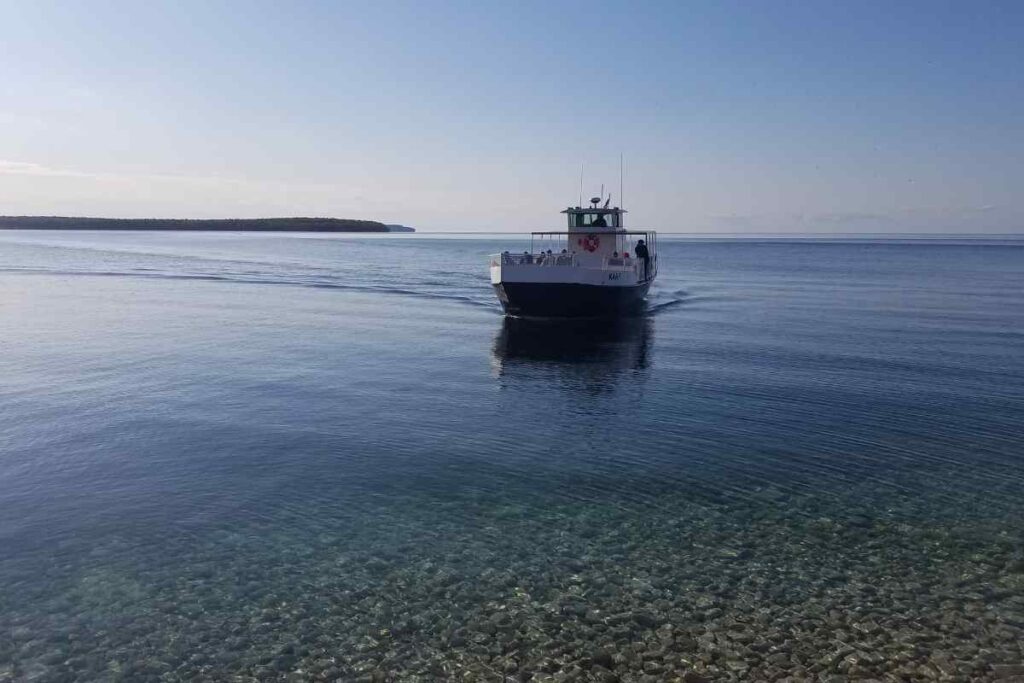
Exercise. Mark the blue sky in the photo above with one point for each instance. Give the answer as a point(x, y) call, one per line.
point(733, 117)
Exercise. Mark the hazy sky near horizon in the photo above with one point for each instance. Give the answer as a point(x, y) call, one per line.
point(733, 116)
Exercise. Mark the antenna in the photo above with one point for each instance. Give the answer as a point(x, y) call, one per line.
point(581, 185)
point(622, 203)
point(602, 190)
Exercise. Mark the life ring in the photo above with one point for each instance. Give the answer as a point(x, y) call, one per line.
point(591, 242)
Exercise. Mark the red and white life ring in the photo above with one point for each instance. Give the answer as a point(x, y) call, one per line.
point(591, 242)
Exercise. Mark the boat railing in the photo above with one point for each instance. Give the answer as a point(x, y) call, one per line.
point(630, 263)
point(543, 259)
point(539, 259)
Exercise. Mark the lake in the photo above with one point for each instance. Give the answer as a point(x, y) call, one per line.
point(329, 457)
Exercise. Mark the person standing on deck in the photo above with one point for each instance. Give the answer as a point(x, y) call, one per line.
point(642, 253)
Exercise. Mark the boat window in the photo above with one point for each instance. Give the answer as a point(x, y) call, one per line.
point(585, 220)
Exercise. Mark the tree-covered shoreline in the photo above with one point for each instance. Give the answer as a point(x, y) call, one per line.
point(224, 224)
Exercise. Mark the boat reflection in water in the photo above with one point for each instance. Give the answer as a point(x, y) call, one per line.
point(588, 355)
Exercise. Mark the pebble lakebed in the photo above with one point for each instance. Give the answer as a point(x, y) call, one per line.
point(775, 587)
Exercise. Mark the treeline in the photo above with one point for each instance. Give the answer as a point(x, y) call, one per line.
point(239, 224)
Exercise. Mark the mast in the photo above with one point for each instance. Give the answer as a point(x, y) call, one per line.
point(622, 201)
point(581, 185)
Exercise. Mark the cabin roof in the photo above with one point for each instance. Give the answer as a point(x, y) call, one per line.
point(584, 209)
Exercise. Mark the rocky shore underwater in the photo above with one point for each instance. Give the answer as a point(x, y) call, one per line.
point(773, 586)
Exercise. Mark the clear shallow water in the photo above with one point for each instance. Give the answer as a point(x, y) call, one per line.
point(330, 458)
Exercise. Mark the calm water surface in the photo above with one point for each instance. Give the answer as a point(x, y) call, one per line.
point(284, 457)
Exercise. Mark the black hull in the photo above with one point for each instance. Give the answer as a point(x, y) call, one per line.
point(553, 300)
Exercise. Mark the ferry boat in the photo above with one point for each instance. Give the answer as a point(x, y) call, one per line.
point(595, 269)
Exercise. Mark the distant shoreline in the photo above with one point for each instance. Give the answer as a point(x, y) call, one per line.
point(298, 224)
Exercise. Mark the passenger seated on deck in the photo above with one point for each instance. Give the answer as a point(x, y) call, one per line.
point(527, 257)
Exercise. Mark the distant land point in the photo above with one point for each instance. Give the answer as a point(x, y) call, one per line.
point(221, 224)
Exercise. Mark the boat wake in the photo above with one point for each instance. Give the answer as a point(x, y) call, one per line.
point(255, 278)
point(661, 303)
